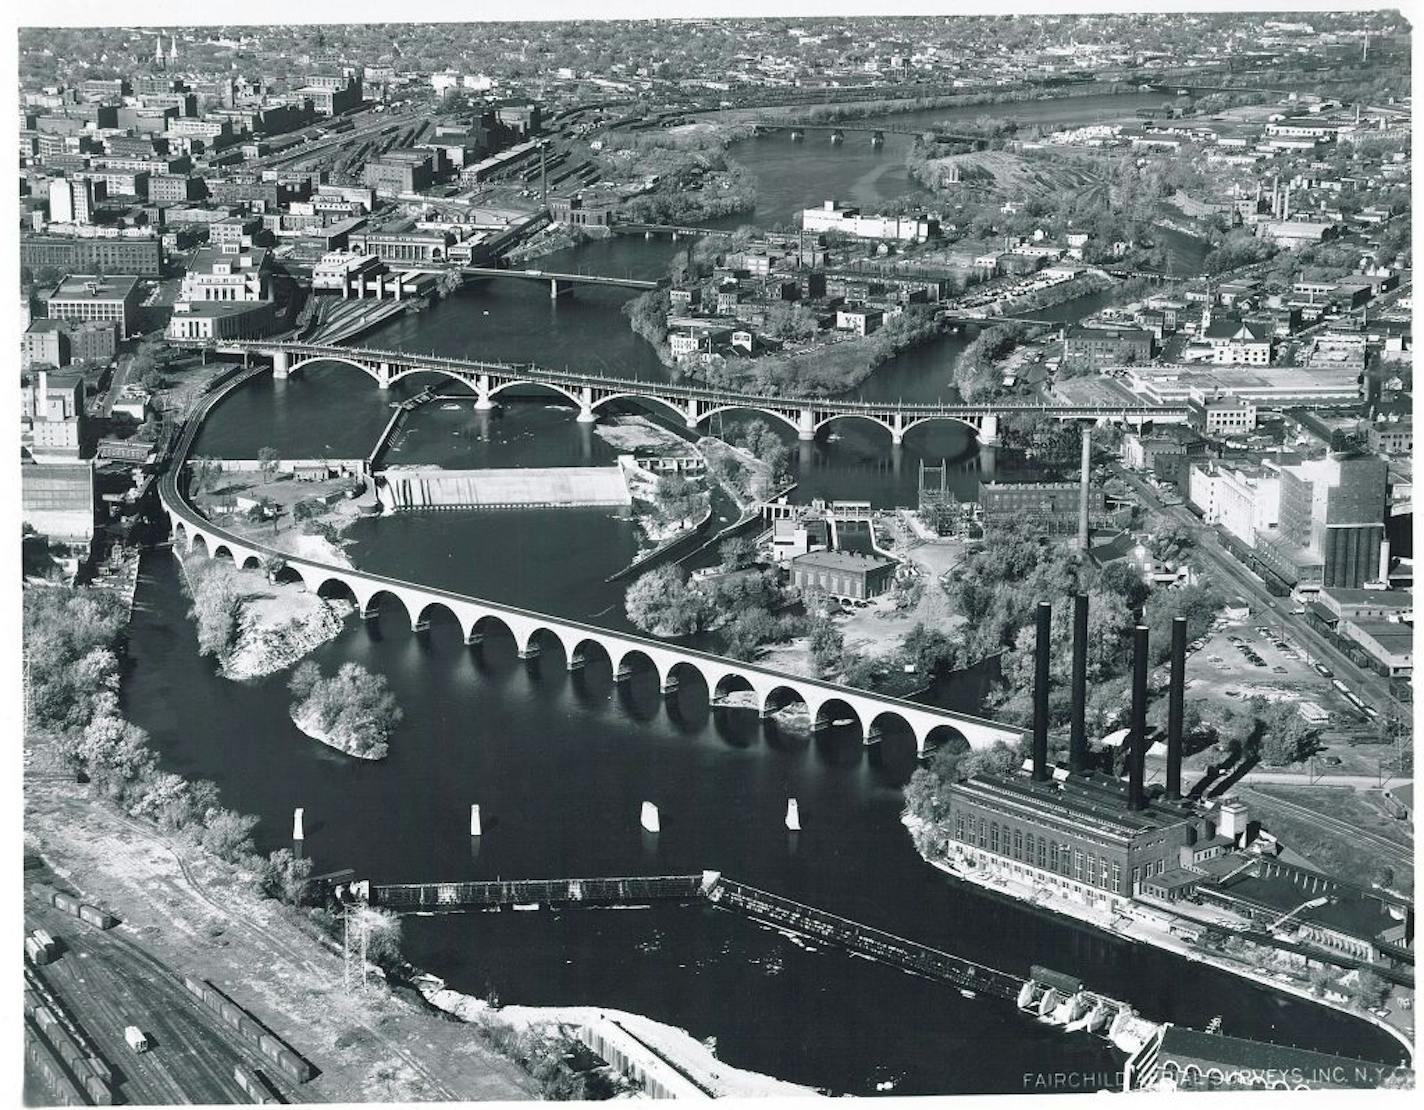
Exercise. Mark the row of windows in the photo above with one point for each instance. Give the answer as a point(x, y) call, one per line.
point(1040, 851)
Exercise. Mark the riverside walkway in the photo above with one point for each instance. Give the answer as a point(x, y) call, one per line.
point(534, 632)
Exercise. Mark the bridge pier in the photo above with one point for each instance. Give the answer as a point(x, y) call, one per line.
point(897, 429)
point(529, 651)
point(280, 363)
point(383, 375)
point(474, 637)
point(559, 288)
point(483, 402)
point(586, 414)
point(989, 430)
point(806, 425)
point(690, 417)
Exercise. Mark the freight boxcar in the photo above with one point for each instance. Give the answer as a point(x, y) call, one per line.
point(99, 918)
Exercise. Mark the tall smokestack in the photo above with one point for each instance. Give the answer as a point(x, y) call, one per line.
point(1078, 735)
point(1040, 692)
point(1174, 707)
point(1137, 737)
point(1083, 489)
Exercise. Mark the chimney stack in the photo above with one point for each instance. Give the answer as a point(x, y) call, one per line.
point(1174, 707)
point(1083, 489)
point(1078, 736)
point(1137, 736)
point(1040, 692)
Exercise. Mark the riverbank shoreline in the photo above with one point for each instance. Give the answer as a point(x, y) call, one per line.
point(676, 1046)
point(1085, 916)
point(307, 725)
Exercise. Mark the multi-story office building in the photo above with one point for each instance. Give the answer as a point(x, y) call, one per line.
point(227, 273)
point(402, 171)
point(1332, 522)
point(71, 200)
point(1243, 499)
point(83, 297)
point(116, 255)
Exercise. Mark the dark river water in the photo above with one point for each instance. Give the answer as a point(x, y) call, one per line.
point(560, 763)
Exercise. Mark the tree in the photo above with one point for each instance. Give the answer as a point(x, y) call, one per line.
point(663, 602)
point(1368, 991)
point(737, 552)
point(268, 461)
point(383, 936)
point(273, 565)
point(286, 877)
point(217, 607)
point(228, 835)
point(827, 645)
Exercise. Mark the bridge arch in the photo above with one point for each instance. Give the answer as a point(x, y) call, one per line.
point(488, 624)
point(661, 402)
point(685, 674)
point(750, 406)
point(631, 660)
point(380, 601)
point(733, 682)
point(332, 588)
point(540, 639)
point(435, 608)
point(962, 421)
point(830, 711)
point(222, 551)
point(369, 371)
point(782, 696)
point(198, 541)
point(945, 736)
point(854, 416)
point(586, 650)
point(568, 394)
point(250, 561)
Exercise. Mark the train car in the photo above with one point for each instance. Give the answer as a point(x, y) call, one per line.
point(36, 951)
point(255, 1085)
point(100, 919)
point(65, 902)
point(270, 1046)
point(99, 1091)
point(193, 987)
point(293, 1066)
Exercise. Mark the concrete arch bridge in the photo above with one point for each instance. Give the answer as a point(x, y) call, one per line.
point(692, 405)
point(535, 632)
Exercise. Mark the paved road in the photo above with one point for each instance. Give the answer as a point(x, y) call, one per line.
point(107, 982)
point(1371, 688)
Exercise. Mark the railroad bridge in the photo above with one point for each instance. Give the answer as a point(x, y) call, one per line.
point(690, 404)
point(562, 283)
point(534, 632)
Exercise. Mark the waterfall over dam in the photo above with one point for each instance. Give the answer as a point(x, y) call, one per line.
point(433, 487)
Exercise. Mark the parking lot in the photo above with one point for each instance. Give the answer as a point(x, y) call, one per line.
point(1244, 660)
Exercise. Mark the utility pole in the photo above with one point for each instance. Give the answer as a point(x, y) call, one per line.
point(354, 969)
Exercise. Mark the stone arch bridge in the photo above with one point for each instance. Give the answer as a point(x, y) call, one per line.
point(691, 405)
point(533, 632)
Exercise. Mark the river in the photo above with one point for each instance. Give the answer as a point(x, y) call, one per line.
point(560, 762)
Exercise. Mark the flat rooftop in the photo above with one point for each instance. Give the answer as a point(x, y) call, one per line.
point(114, 287)
point(1091, 798)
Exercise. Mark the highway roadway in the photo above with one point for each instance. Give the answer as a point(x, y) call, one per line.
point(1372, 688)
point(107, 982)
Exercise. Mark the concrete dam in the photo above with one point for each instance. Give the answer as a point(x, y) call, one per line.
point(525, 487)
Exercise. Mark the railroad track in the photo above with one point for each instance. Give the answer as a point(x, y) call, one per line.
point(1335, 825)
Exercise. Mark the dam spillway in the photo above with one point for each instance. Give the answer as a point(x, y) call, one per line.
point(433, 487)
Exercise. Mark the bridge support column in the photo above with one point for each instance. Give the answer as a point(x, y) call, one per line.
point(669, 685)
point(473, 637)
point(529, 651)
point(897, 429)
point(806, 425)
point(690, 418)
point(586, 414)
point(280, 363)
point(989, 429)
point(482, 387)
point(383, 375)
point(559, 289)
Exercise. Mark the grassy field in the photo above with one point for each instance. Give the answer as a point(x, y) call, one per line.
point(1353, 859)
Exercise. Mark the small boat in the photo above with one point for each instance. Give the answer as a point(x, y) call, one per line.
point(449, 407)
point(650, 819)
point(967, 993)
